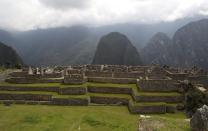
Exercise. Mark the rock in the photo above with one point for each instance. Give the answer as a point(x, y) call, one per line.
point(199, 121)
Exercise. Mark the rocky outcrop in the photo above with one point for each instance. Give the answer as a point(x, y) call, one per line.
point(116, 49)
point(199, 121)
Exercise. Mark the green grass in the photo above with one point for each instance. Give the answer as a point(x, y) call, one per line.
point(89, 118)
point(166, 122)
point(55, 118)
point(159, 94)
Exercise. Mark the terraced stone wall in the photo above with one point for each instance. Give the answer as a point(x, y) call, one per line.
point(168, 99)
point(71, 101)
point(110, 90)
point(178, 76)
point(24, 80)
point(32, 97)
point(62, 91)
point(112, 80)
point(157, 85)
point(73, 91)
point(98, 74)
point(109, 100)
point(36, 76)
point(148, 109)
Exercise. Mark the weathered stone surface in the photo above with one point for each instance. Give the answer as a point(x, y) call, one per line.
point(112, 80)
point(199, 121)
point(109, 100)
point(156, 109)
point(111, 90)
point(70, 101)
point(169, 99)
point(157, 85)
point(73, 91)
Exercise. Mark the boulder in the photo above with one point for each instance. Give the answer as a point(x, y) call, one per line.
point(199, 121)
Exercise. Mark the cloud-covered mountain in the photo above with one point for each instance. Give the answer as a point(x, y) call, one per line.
point(77, 44)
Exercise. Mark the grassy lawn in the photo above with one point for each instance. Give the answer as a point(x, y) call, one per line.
point(62, 118)
point(165, 122)
point(90, 118)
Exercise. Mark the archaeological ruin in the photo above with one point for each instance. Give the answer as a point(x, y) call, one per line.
point(143, 89)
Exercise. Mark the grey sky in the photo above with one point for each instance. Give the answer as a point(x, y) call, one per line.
point(32, 14)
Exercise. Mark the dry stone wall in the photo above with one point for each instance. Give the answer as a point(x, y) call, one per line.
point(157, 85)
point(112, 80)
point(33, 97)
point(159, 109)
point(109, 100)
point(110, 90)
point(168, 99)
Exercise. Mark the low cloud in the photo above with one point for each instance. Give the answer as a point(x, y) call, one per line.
point(32, 14)
point(65, 4)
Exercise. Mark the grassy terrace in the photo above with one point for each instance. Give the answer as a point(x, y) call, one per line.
point(87, 118)
point(87, 95)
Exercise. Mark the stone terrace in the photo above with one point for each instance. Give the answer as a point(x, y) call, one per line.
point(143, 89)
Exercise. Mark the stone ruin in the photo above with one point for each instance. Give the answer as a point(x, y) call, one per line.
point(110, 74)
point(149, 79)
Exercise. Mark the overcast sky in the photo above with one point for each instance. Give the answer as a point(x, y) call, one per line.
point(32, 14)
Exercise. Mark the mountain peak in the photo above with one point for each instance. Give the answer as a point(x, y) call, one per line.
point(116, 49)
